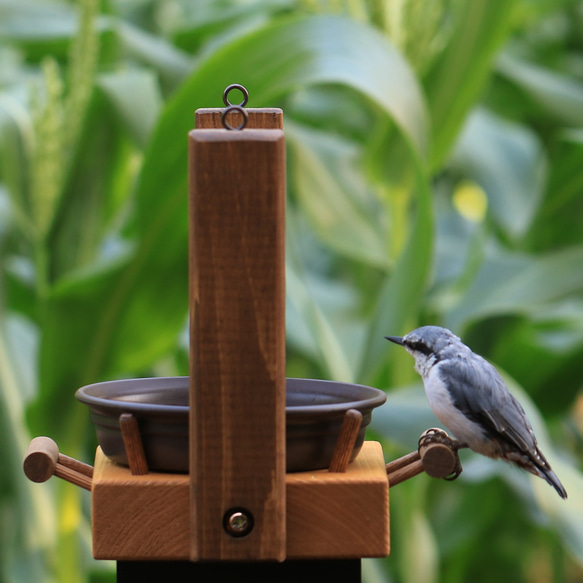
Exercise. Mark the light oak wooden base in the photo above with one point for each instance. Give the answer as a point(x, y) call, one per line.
point(328, 515)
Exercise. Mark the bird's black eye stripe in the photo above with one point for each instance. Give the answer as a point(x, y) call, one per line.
point(420, 347)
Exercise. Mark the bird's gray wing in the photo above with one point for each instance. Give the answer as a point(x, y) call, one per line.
point(479, 392)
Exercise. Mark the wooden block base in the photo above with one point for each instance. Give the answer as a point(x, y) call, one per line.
point(328, 515)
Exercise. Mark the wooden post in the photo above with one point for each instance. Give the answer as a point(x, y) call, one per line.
point(237, 303)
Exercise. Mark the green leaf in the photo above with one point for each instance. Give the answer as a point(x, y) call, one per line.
point(136, 97)
point(36, 21)
point(172, 64)
point(456, 79)
point(209, 23)
point(321, 319)
point(558, 220)
point(544, 350)
point(508, 162)
point(558, 94)
point(332, 193)
point(324, 339)
point(98, 186)
point(415, 546)
point(514, 284)
point(42, 27)
point(16, 143)
point(400, 297)
point(566, 180)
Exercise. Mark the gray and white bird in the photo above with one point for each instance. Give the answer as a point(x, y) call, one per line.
point(468, 395)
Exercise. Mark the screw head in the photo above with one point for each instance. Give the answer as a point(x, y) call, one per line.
point(238, 522)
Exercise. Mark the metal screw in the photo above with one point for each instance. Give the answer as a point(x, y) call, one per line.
point(238, 522)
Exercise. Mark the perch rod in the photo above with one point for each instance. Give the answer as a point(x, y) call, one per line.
point(43, 460)
point(437, 455)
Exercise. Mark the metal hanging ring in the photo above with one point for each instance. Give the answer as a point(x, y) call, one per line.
point(241, 89)
point(230, 109)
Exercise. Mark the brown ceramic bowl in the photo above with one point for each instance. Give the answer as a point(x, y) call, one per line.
point(314, 414)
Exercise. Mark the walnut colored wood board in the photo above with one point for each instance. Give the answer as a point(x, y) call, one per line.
point(237, 340)
point(328, 515)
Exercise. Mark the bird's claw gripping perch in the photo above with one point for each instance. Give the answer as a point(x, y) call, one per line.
point(437, 455)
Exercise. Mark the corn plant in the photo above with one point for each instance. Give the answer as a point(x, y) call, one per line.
point(434, 177)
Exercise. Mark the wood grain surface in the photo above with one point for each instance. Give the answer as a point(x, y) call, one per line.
point(237, 275)
point(328, 515)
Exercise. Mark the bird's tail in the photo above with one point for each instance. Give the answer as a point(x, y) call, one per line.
point(536, 463)
point(543, 469)
point(552, 479)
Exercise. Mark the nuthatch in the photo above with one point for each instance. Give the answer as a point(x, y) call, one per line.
point(469, 397)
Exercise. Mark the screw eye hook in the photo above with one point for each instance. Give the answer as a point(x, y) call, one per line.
point(232, 107)
point(241, 89)
point(238, 109)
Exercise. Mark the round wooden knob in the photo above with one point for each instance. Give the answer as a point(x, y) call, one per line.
point(439, 460)
point(41, 459)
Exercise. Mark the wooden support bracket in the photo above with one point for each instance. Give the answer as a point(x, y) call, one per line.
point(328, 515)
point(132, 441)
point(346, 440)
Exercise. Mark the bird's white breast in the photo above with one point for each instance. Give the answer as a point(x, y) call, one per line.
point(443, 407)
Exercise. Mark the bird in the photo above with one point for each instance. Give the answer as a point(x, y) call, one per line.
point(468, 395)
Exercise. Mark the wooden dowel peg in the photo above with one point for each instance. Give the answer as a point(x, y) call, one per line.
point(132, 441)
point(73, 476)
point(346, 440)
point(404, 473)
point(402, 462)
point(76, 465)
point(43, 460)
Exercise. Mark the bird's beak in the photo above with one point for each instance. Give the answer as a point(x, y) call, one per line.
point(396, 339)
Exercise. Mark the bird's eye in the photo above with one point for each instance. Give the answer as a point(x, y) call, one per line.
point(421, 347)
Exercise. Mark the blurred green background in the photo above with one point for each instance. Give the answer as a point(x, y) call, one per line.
point(435, 174)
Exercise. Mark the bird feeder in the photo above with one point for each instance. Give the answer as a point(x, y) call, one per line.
point(236, 469)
